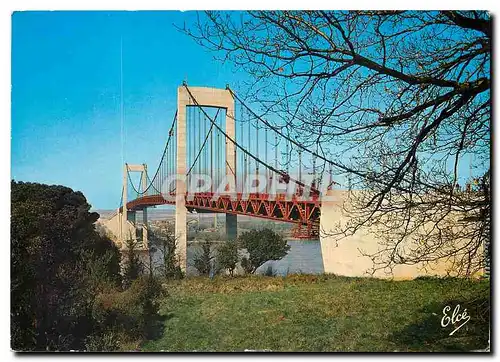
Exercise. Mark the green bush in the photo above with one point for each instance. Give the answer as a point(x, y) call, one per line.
point(130, 313)
point(66, 290)
point(246, 265)
point(227, 256)
point(262, 245)
point(166, 243)
point(59, 263)
point(133, 267)
point(107, 342)
point(203, 261)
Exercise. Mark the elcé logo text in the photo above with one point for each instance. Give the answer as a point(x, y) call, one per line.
point(457, 319)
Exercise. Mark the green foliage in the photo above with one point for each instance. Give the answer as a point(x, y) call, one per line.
point(58, 264)
point(66, 290)
point(102, 269)
point(203, 261)
point(207, 236)
point(133, 267)
point(262, 245)
point(166, 242)
point(107, 342)
point(246, 265)
point(227, 256)
point(132, 313)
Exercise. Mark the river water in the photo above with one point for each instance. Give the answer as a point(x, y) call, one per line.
point(304, 256)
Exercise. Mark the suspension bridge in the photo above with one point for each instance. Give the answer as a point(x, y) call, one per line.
point(221, 157)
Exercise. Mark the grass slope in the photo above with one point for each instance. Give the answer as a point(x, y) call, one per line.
point(320, 313)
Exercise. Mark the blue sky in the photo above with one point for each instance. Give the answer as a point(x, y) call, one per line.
point(66, 94)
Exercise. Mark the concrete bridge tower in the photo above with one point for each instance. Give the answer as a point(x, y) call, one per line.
point(213, 97)
point(128, 218)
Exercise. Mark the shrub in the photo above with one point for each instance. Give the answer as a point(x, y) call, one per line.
point(107, 342)
point(262, 245)
point(66, 285)
point(246, 265)
point(132, 264)
point(166, 242)
point(130, 313)
point(227, 256)
point(203, 261)
point(59, 263)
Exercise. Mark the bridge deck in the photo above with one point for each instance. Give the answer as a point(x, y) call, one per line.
point(293, 209)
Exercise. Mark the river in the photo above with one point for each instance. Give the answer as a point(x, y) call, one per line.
point(304, 256)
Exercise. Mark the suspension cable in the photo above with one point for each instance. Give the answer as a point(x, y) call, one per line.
point(130, 179)
point(204, 142)
point(151, 185)
point(290, 139)
point(330, 162)
point(240, 147)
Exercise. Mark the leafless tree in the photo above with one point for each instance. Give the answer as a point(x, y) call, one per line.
point(399, 101)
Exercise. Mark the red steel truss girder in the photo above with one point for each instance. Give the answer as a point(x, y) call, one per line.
point(272, 207)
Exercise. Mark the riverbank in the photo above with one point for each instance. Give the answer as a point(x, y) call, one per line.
point(319, 313)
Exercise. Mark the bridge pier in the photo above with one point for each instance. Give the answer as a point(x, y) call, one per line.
point(131, 216)
point(145, 210)
point(145, 228)
point(231, 226)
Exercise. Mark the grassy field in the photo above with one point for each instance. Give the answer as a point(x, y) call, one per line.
point(319, 313)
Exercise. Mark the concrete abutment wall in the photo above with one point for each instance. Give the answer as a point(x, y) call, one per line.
point(344, 256)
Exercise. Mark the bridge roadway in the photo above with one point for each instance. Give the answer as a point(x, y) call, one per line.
point(295, 209)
